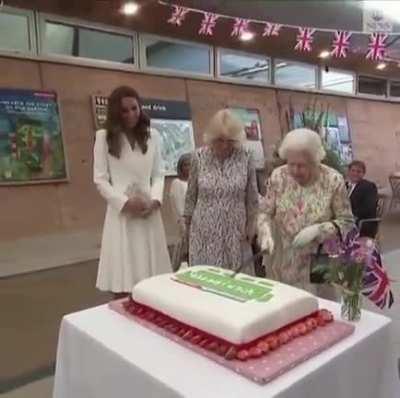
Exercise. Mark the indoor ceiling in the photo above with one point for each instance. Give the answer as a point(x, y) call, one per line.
point(152, 18)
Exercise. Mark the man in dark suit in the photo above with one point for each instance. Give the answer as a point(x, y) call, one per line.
point(363, 196)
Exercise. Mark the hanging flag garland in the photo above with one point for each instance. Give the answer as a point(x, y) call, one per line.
point(271, 29)
point(240, 26)
point(304, 39)
point(377, 46)
point(341, 44)
point(208, 24)
point(178, 15)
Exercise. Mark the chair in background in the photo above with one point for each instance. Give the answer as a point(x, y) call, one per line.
point(380, 209)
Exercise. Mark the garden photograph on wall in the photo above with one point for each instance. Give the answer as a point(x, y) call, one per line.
point(31, 142)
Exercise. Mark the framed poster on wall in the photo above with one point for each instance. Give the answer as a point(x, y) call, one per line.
point(99, 105)
point(32, 149)
point(172, 121)
point(252, 127)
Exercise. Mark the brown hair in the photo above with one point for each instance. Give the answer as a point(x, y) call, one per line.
point(358, 163)
point(138, 135)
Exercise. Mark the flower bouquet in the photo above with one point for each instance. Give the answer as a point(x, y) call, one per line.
point(355, 269)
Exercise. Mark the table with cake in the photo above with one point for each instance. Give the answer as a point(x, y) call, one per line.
point(205, 332)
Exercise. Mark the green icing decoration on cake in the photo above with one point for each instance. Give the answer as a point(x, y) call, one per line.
point(221, 283)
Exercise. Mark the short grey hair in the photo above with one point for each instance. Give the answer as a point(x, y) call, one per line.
point(303, 140)
point(224, 124)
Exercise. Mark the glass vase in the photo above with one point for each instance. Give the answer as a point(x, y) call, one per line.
point(351, 303)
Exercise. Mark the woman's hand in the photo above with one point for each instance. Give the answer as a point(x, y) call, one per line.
point(264, 237)
point(152, 205)
point(135, 206)
point(306, 236)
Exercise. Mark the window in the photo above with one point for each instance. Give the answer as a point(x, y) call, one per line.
point(395, 89)
point(16, 30)
point(337, 81)
point(295, 74)
point(372, 85)
point(243, 66)
point(77, 41)
point(174, 55)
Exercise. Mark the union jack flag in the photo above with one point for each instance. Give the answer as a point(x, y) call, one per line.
point(376, 283)
point(376, 46)
point(271, 29)
point(178, 15)
point(341, 44)
point(241, 25)
point(208, 24)
point(304, 39)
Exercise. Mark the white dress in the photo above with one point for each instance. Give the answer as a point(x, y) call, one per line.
point(177, 195)
point(132, 249)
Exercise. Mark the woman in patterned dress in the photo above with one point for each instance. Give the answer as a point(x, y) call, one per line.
point(306, 202)
point(222, 198)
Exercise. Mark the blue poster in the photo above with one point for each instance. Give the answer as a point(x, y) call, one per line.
point(31, 144)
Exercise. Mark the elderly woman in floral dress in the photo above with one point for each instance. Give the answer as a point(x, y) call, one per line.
point(306, 203)
point(222, 197)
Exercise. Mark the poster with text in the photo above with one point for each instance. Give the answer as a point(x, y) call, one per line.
point(31, 142)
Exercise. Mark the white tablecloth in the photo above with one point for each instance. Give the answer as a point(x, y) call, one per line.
point(102, 354)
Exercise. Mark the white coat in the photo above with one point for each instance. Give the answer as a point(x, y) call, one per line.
point(132, 248)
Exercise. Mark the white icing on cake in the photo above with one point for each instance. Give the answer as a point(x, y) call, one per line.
point(267, 305)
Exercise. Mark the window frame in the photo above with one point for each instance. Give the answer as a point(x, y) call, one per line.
point(368, 95)
point(30, 14)
point(288, 86)
point(42, 18)
point(219, 77)
point(348, 72)
point(174, 72)
point(389, 91)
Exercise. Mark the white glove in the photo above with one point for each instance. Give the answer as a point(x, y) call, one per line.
point(264, 238)
point(306, 235)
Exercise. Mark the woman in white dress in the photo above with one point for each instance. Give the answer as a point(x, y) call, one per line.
point(128, 175)
point(177, 195)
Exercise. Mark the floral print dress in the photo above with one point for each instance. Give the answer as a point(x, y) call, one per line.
point(222, 201)
point(289, 207)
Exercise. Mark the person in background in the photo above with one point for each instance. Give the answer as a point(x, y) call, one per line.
point(222, 198)
point(306, 202)
point(127, 172)
point(363, 196)
point(177, 196)
point(255, 247)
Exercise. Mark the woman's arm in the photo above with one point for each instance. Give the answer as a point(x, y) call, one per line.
point(101, 174)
